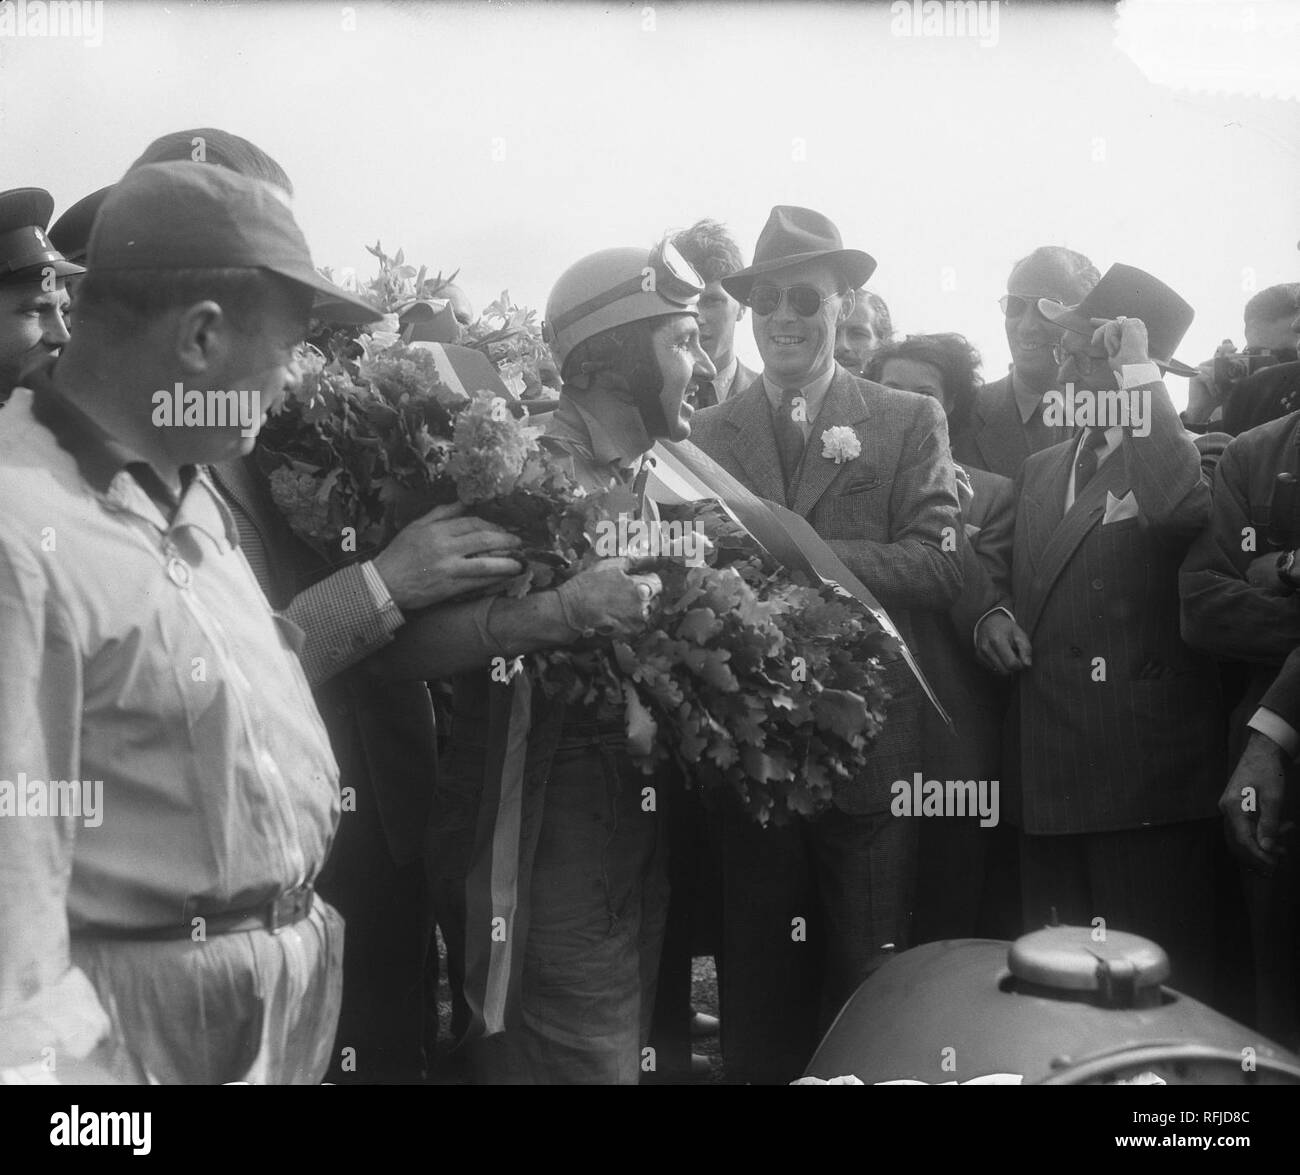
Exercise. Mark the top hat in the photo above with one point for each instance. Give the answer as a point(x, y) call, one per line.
point(793, 235)
point(1127, 291)
point(198, 216)
point(25, 251)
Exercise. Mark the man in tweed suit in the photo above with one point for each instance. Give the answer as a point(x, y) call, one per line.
point(1120, 725)
point(890, 512)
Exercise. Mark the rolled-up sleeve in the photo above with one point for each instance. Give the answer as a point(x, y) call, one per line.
point(45, 1003)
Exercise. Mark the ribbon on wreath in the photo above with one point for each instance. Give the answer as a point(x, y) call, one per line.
point(685, 473)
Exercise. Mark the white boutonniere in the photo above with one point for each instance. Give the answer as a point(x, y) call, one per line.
point(840, 444)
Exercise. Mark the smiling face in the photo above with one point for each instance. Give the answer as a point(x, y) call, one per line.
point(682, 363)
point(1030, 336)
point(31, 324)
point(797, 350)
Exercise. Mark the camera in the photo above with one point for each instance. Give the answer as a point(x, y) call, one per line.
point(1230, 370)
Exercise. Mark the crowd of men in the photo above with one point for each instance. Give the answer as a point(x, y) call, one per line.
point(235, 799)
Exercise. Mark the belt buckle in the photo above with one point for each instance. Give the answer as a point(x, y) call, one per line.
point(290, 907)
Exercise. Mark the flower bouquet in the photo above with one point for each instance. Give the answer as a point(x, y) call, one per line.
point(754, 679)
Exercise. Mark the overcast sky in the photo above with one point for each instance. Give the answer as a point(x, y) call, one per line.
point(509, 139)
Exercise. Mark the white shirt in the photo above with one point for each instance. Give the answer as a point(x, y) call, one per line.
point(1113, 438)
point(724, 379)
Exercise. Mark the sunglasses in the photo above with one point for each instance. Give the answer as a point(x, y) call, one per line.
point(805, 301)
point(1013, 305)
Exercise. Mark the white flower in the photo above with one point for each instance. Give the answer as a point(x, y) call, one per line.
point(382, 335)
point(840, 444)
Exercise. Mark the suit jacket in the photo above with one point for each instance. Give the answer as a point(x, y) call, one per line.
point(1283, 696)
point(890, 513)
point(741, 378)
point(1222, 613)
point(1119, 721)
point(382, 732)
point(975, 698)
point(994, 438)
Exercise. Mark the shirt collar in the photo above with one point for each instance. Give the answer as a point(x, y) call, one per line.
point(583, 435)
point(101, 457)
point(1028, 402)
point(726, 377)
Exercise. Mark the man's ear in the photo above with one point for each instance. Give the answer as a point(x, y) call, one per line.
point(847, 302)
point(202, 338)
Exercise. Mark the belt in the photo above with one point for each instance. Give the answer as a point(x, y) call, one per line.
point(290, 907)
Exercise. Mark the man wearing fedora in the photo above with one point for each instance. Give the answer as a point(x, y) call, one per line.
point(1119, 722)
point(888, 508)
point(33, 300)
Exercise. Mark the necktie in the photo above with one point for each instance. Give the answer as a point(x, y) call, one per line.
point(1086, 464)
point(706, 395)
point(789, 436)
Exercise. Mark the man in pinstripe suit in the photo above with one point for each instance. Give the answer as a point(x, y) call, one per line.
point(890, 512)
point(1120, 725)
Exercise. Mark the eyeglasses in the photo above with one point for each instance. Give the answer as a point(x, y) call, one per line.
point(805, 301)
point(1082, 360)
point(1013, 305)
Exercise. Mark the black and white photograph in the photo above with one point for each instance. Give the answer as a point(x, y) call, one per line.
point(686, 544)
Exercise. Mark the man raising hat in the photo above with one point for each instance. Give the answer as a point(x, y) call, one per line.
point(1120, 724)
point(869, 468)
point(165, 816)
point(33, 301)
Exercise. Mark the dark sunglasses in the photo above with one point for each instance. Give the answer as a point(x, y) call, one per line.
point(805, 301)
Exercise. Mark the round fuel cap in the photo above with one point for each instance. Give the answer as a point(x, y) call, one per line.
point(1082, 959)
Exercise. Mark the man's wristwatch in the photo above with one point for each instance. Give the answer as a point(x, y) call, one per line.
point(1287, 575)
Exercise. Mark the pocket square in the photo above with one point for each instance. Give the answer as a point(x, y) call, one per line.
point(860, 485)
point(1118, 509)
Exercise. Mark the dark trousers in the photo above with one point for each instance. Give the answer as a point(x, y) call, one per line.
point(386, 910)
point(693, 915)
point(1156, 882)
point(809, 911)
